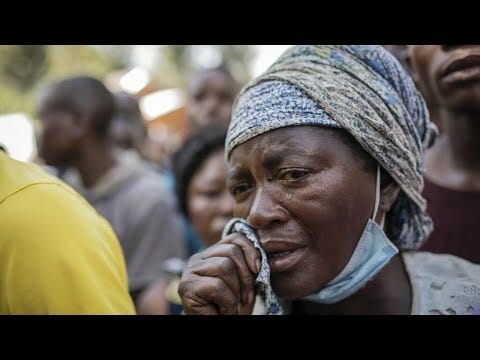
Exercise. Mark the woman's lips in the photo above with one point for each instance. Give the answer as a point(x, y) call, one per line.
point(283, 256)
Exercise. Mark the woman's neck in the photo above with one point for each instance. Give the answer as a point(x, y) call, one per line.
point(388, 293)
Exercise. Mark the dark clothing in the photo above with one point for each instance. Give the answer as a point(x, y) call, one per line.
point(456, 220)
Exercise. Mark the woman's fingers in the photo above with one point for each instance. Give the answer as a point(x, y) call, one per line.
point(204, 295)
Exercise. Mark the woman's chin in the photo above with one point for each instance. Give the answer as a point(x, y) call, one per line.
point(290, 289)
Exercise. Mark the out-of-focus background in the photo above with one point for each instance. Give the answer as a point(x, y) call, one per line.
point(155, 74)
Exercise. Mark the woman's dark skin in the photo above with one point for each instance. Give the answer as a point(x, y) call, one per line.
point(309, 198)
point(208, 200)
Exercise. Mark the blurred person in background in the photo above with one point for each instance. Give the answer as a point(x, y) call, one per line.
point(127, 129)
point(210, 96)
point(450, 76)
point(76, 114)
point(57, 255)
point(200, 177)
point(128, 132)
point(402, 54)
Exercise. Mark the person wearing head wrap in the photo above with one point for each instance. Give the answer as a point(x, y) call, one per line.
point(325, 160)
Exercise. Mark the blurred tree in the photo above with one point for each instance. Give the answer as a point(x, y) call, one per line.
point(238, 59)
point(25, 68)
point(173, 62)
point(12, 100)
point(178, 62)
point(70, 60)
point(22, 65)
point(119, 54)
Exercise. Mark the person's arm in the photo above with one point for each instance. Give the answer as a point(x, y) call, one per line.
point(61, 257)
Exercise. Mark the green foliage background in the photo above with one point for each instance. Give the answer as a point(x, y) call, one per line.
point(24, 69)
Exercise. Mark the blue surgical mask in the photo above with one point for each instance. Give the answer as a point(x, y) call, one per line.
point(374, 250)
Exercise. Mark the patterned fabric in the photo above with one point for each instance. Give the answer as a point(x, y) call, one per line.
point(442, 284)
point(272, 105)
point(362, 89)
point(262, 282)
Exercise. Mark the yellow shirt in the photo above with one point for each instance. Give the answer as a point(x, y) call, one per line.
point(57, 255)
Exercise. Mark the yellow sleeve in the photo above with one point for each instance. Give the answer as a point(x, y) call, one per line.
point(58, 256)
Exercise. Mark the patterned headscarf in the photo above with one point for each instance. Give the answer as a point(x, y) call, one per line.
point(362, 89)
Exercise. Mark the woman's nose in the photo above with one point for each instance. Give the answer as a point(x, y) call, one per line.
point(265, 210)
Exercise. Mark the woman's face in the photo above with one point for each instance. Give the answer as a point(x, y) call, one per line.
point(309, 198)
point(209, 203)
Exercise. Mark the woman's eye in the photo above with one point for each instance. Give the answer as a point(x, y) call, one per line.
point(292, 174)
point(238, 189)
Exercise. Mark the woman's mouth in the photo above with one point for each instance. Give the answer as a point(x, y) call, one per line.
point(283, 256)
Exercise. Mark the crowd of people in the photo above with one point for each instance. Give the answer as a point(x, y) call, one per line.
point(343, 180)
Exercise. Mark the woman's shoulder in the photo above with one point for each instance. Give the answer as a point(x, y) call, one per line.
point(442, 283)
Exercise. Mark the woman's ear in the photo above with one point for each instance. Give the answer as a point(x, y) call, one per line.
point(389, 191)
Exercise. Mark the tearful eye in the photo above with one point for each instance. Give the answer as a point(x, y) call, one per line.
point(292, 174)
point(238, 189)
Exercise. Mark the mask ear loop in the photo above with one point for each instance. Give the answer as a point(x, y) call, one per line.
point(377, 199)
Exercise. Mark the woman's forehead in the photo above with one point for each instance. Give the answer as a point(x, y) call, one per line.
point(288, 141)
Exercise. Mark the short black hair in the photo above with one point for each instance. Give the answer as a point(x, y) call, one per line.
point(85, 96)
point(188, 159)
point(128, 112)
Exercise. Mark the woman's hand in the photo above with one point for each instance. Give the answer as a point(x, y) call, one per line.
point(221, 279)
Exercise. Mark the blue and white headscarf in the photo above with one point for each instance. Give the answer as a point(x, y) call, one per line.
point(361, 89)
